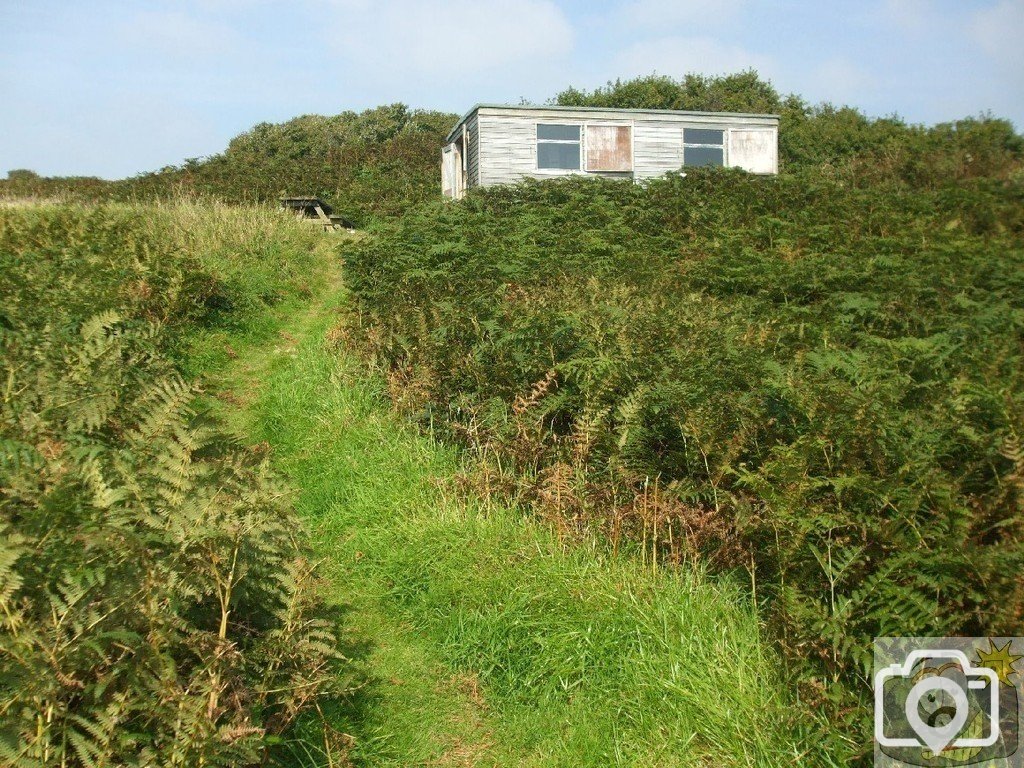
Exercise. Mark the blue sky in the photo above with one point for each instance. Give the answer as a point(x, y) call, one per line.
point(115, 88)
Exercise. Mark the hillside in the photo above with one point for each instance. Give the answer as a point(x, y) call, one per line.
point(367, 164)
point(222, 548)
point(590, 471)
point(814, 385)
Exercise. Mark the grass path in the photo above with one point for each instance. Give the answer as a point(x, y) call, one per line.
point(412, 709)
point(483, 639)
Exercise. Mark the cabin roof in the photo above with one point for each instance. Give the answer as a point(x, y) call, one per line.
point(555, 109)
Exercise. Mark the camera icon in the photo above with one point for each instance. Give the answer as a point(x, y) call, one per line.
point(947, 704)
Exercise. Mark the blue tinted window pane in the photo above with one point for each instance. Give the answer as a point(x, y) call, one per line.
point(558, 132)
point(702, 136)
point(703, 156)
point(565, 156)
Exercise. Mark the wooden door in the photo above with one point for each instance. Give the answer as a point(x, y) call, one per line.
point(453, 180)
point(448, 171)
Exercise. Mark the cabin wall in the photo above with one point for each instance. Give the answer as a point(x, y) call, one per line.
point(460, 165)
point(508, 149)
point(659, 147)
point(506, 146)
point(502, 143)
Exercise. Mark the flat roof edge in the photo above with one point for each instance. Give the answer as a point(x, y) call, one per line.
point(623, 110)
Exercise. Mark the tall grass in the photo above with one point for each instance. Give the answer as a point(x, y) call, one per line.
point(580, 658)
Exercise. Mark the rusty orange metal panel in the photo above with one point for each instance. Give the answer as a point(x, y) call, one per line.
point(609, 148)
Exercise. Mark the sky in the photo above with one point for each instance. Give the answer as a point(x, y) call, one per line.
point(113, 88)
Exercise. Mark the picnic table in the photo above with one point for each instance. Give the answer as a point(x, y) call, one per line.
point(315, 208)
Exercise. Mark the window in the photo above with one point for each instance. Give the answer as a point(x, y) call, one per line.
point(609, 148)
point(703, 146)
point(558, 146)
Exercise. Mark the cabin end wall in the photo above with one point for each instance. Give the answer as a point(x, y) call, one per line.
point(473, 152)
point(460, 161)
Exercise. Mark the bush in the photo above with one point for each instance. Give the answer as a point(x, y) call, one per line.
point(816, 383)
point(841, 141)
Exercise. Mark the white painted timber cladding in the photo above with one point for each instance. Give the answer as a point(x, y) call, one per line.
point(508, 148)
point(448, 170)
point(657, 148)
point(507, 143)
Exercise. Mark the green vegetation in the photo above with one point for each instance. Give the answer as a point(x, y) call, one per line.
point(568, 657)
point(814, 384)
point(375, 164)
point(698, 421)
point(368, 165)
point(157, 602)
point(835, 142)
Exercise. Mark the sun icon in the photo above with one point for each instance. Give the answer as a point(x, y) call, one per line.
point(999, 660)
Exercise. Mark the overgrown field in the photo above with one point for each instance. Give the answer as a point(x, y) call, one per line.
point(815, 385)
point(812, 384)
point(156, 602)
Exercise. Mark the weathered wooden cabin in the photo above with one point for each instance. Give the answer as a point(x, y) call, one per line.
point(500, 144)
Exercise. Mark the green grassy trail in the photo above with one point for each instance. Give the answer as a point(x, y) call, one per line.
point(484, 640)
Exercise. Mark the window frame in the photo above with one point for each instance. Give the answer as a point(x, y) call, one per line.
point(578, 142)
point(724, 146)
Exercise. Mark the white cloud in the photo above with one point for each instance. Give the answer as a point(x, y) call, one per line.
point(177, 34)
point(678, 55)
point(661, 14)
point(843, 76)
point(455, 38)
point(999, 30)
point(913, 16)
point(842, 79)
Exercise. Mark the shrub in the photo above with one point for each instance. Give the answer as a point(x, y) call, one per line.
point(814, 382)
